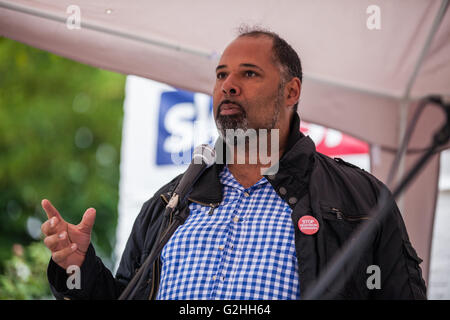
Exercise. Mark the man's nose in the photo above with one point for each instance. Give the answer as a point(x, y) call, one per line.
point(230, 87)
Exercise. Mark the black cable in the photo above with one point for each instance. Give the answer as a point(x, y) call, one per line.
point(411, 150)
point(407, 137)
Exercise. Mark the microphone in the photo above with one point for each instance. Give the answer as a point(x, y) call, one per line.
point(203, 157)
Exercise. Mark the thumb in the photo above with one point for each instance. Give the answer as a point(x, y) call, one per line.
point(87, 222)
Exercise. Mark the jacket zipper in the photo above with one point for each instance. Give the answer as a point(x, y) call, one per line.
point(155, 267)
point(338, 213)
point(211, 204)
point(341, 216)
point(164, 198)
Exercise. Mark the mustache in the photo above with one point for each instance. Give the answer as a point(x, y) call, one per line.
point(219, 108)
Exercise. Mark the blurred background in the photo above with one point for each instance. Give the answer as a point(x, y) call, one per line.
point(60, 134)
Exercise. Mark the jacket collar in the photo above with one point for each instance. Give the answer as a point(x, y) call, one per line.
point(292, 176)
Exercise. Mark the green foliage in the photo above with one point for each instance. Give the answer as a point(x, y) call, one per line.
point(60, 134)
point(24, 277)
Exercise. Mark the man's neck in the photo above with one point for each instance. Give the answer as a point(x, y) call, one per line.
point(246, 174)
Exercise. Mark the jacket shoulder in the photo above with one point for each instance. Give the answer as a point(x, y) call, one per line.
point(346, 184)
point(345, 168)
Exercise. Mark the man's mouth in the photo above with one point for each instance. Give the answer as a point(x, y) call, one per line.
point(227, 108)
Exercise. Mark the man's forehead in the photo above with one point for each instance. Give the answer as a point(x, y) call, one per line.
point(250, 49)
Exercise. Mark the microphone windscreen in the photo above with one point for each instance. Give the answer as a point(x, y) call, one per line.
point(204, 154)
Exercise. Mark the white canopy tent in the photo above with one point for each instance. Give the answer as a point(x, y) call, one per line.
point(361, 80)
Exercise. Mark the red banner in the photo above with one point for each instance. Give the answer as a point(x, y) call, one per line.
point(332, 142)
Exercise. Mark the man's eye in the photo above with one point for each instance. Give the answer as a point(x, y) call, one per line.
point(221, 75)
point(250, 73)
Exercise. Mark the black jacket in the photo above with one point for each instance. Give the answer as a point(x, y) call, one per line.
point(338, 194)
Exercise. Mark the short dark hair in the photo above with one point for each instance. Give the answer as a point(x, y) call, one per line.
point(283, 53)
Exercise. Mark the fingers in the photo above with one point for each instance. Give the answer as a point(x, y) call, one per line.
point(50, 209)
point(87, 222)
point(51, 226)
point(61, 255)
point(57, 240)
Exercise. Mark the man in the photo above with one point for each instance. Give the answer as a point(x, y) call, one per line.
point(250, 235)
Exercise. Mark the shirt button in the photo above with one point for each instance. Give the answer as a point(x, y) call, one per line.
point(236, 219)
point(214, 277)
point(246, 194)
point(221, 247)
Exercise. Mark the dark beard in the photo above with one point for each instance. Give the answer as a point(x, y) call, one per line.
point(237, 121)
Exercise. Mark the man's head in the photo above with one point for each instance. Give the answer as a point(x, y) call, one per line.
point(258, 83)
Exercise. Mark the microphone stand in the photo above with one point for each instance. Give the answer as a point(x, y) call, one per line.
point(358, 243)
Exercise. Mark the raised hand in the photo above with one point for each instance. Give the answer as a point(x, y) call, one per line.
point(67, 242)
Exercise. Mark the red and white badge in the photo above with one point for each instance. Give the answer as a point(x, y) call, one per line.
point(308, 225)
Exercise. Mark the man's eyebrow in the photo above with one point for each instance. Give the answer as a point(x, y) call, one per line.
point(248, 65)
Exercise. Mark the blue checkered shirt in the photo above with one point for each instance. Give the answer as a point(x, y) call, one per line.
point(245, 250)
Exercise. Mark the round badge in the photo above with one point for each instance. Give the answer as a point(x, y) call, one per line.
point(308, 225)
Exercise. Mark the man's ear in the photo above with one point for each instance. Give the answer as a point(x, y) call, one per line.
point(293, 89)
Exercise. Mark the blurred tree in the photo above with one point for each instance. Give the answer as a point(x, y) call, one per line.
point(60, 134)
point(23, 277)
